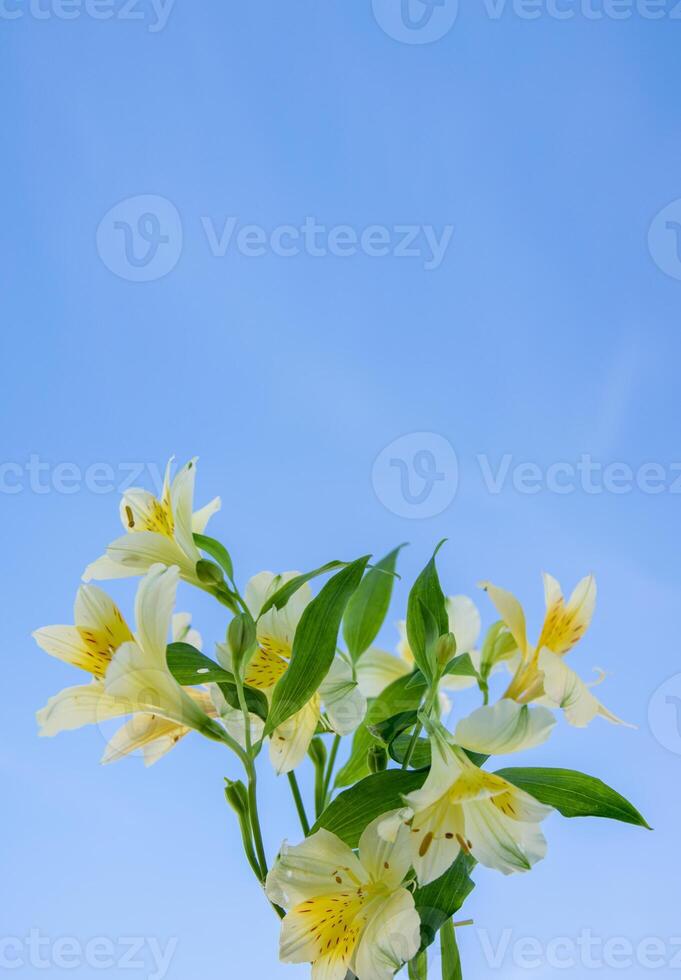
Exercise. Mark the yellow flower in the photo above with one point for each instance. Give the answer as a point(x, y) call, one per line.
point(339, 695)
point(463, 808)
point(157, 530)
point(347, 911)
point(130, 676)
point(541, 675)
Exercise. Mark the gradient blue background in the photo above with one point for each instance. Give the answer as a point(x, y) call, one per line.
point(547, 332)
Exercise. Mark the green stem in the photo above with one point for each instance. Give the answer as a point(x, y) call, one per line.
point(329, 769)
point(418, 967)
point(298, 799)
point(252, 780)
point(451, 961)
point(412, 745)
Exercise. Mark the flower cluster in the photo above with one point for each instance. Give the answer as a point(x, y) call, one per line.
point(400, 827)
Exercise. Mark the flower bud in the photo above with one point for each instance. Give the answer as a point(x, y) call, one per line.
point(445, 649)
point(317, 752)
point(237, 797)
point(208, 572)
point(377, 758)
point(240, 636)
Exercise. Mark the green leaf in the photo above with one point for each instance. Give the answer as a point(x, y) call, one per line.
point(426, 612)
point(355, 808)
point(217, 551)
point(404, 694)
point(574, 794)
point(388, 730)
point(256, 702)
point(368, 607)
point(420, 757)
point(461, 666)
point(314, 644)
point(190, 667)
point(282, 595)
point(439, 900)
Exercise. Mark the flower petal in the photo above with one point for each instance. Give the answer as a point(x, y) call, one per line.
point(566, 623)
point(201, 517)
point(153, 735)
point(510, 611)
point(65, 643)
point(85, 704)
point(290, 741)
point(391, 937)
point(504, 727)
point(502, 843)
point(138, 552)
point(386, 860)
point(182, 498)
point(464, 622)
point(344, 702)
point(376, 669)
point(313, 868)
point(154, 609)
point(565, 689)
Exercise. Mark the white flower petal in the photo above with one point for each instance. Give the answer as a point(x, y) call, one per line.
point(464, 622)
point(85, 704)
point(139, 551)
point(201, 517)
point(510, 611)
point(386, 860)
point(344, 702)
point(436, 832)
point(565, 689)
point(502, 843)
point(504, 727)
point(154, 609)
point(153, 735)
point(377, 669)
point(391, 937)
point(290, 741)
point(313, 868)
point(182, 498)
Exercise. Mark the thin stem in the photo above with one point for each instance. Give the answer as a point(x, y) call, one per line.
point(412, 745)
point(329, 769)
point(298, 799)
point(451, 961)
point(417, 968)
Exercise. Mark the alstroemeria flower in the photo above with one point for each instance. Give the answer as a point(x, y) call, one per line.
point(463, 808)
point(376, 669)
point(155, 736)
point(347, 911)
point(339, 695)
point(137, 677)
point(157, 530)
point(540, 674)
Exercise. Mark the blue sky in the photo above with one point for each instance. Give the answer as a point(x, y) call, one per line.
point(158, 168)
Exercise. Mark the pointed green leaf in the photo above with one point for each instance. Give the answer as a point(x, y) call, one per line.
point(314, 644)
point(426, 613)
point(190, 667)
point(217, 551)
point(368, 607)
point(404, 694)
point(279, 598)
point(574, 794)
point(439, 900)
point(355, 808)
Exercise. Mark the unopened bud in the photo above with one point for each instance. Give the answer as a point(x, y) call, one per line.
point(377, 758)
point(208, 572)
point(317, 752)
point(240, 635)
point(237, 797)
point(445, 649)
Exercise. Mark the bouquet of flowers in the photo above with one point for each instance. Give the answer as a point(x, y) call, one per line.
point(391, 839)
